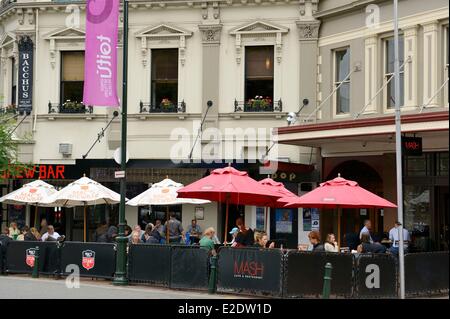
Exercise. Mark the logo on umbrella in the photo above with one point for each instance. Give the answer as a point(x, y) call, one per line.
point(30, 256)
point(329, 199)
point(33, 190)
point(88, 260)
point(165, 190)
point(84, 187)
point(206, 187)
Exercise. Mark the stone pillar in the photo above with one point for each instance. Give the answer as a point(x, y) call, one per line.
point(430, 63)
point(309, 58)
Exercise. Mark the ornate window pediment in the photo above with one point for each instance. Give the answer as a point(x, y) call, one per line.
point(163, 35)
point(259, 32)
point(7, 39)
point(65, 34)
point(258, 27)
point(162, 31)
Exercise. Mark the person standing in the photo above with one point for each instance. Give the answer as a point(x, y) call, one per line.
point(43, 229)
point(394, 237)
point(175, 229)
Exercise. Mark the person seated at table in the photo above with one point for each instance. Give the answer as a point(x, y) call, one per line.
point(32, 235)
point(207, 241)
point(25, 229)
point(50, 235)
point(261, 240)
point(233, 234)
point(331, 244)
point(135, 238)
point(151, 235)
point(314, 239)
point(195, 232)
point(366, 230)
point(14, 231)
point(367, 247)
point(395, 239)
point(245, 237)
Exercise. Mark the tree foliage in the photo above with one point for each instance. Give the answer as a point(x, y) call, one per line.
point(8, 146)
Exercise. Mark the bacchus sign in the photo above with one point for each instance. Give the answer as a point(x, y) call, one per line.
point(25, 100)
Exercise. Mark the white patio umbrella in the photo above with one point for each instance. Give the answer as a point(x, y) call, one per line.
point(83, 192)
point(31, 194)
point(164, 193)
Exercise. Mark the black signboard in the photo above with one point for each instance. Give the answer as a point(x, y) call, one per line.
point(254, 271)
point(411, 146)
point(25, 83)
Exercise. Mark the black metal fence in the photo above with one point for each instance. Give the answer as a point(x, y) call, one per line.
point(376, 276)
point(259, 272)
point(149, 264)
point(426, 273)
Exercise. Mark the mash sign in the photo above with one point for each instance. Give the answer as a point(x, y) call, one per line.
point(88, 259)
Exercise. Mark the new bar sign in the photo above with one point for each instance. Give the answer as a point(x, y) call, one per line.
point(25, 100)
point(411, 146)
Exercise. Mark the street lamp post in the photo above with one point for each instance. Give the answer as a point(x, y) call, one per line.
point(120, 277)
point(398, 151)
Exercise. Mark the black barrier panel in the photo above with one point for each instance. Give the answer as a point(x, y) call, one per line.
point(20, 257)
point(189, 267)
point(376, 276)
point(149, 263)
point(426, 272)
point(252, 271)
point(305, 272)
point(93, 259)
point(1, 258)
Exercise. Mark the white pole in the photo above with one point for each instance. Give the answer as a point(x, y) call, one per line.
point(398, 151)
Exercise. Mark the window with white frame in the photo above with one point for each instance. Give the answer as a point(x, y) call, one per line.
point(259, 74)
point(446, 58)
point(72, 79)
point(342, 81)
point(389, 62)
point(164, 80)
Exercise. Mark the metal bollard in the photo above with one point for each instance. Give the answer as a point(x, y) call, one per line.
point(212, 275)
point(327, 281)
point(35, 273)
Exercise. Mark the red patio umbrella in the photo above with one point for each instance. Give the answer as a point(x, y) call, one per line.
point(277, 188)
point(338, 193)
point(230, 186)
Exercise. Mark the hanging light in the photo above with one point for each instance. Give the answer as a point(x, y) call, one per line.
point(268, 63)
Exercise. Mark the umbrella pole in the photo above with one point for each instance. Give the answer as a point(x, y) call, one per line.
point(167, 225)
point(36, 216)
point(84, 226)
point(226, 224)
point(265, 219)
point(339, 227)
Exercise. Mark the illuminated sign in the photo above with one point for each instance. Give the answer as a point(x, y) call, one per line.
point(411, 146)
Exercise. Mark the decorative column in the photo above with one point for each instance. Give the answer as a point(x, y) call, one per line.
point(370, 74)
point(309, 58)
point(410, 38)
point(430, 65)
point(210, 67)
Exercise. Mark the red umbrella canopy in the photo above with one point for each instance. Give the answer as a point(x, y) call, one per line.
point(338, 192)
point(277, 188)
point(232, 186)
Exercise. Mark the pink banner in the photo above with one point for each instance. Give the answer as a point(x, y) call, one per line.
point(100, 70)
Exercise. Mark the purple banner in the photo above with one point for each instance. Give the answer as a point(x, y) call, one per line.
point(100, 73)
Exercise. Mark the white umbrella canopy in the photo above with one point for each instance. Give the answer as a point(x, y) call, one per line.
point(83, 192)
point(164, 193)
point(33, 193)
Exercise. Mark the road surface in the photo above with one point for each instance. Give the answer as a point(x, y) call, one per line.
point(21, 287)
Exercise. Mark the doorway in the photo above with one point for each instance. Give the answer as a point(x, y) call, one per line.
point(234, 212)
point(442, 204)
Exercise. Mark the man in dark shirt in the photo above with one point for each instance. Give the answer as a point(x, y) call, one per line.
point(175, 229)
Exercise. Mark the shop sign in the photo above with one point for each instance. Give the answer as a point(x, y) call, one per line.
point(411, 146)
point(25, 100)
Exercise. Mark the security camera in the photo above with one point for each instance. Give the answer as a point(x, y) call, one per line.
point(115, 114)
point(305, 102)
point(209, 103)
